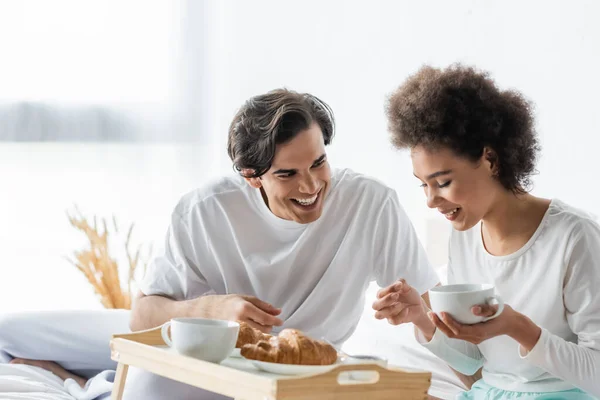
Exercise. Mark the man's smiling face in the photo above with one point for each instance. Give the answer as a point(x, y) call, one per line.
point(297, 183)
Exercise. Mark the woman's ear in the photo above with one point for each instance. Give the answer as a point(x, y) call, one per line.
point(490, 158)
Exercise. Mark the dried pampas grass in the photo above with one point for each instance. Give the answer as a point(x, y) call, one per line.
point(98, 265)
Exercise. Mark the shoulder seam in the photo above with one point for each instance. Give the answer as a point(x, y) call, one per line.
point(190, 207)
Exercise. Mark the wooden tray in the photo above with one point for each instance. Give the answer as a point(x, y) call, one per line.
point(239, 379)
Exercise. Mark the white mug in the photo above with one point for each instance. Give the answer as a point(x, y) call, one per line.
point(457, 300)
point(206, 339)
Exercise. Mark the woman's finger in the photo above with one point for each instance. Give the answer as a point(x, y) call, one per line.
point(484, 310)
point(454, 326)
point(395, 287)
point(387, 301)
point(401, 317)
point(391, 311)
point(439, 324)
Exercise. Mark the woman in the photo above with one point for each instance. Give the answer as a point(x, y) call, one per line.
point(473, 148)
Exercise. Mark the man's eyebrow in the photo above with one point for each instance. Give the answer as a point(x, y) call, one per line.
point(436, 174)
point(291, 171)
point(321, 158)
point(284, 171)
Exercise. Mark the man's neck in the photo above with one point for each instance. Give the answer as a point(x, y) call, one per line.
point(264, 197)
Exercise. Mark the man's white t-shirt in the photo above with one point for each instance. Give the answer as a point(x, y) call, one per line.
point(554, 279)
point(223, 239)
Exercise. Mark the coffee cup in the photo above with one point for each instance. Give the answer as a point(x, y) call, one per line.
point(205, 339)
point(457, 300)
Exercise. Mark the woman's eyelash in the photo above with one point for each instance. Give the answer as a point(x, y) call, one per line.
point(441, 186)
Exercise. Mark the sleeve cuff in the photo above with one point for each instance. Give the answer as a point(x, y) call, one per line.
point(433, 282)
point(435, 341)
point(466, 360)
point(538, 353)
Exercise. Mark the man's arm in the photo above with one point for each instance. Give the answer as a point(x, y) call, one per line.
point(152, 311)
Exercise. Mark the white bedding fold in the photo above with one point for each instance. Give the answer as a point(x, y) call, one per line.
point(33, 383)
point(30, 383)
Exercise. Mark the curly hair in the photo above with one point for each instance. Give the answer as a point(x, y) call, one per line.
point(462, 109)
point(267, 120)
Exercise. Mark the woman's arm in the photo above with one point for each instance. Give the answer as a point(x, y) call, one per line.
point(462, 356)
point(577, 363)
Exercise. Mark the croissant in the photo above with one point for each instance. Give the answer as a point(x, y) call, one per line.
point(249, 335)
point(291, 347)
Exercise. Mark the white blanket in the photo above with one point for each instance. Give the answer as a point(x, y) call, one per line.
point(18, 381)
point(30, 383)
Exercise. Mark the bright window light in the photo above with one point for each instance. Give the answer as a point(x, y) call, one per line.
point(87, 51)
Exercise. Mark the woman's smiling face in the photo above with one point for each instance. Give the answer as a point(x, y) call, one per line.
point(463, 190)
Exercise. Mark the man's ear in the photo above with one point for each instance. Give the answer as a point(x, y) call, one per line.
point(490, 159)
point(254, 182)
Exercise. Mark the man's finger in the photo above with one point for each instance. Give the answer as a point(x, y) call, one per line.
point(257, 315)
point(263, 305)
point(386, 301)
point(256, 325)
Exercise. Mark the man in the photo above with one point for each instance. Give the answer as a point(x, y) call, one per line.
point(284, 243)
point(288, 243)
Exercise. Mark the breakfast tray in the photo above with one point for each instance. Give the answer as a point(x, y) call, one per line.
point(238, 378)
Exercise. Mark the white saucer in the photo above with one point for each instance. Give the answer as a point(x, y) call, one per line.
point(292, 369)
point(236, 353)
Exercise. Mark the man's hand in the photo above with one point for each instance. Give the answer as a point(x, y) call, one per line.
point(152, 311)
point(400, 303)
point(256, 313)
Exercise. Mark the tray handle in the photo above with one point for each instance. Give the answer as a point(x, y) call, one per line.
point(362, 375)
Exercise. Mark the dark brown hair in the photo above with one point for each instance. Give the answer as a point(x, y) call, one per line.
point(462, 109)
point(270, 119)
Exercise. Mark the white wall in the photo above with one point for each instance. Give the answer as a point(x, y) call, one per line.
point(42, 181)
point(352, 54)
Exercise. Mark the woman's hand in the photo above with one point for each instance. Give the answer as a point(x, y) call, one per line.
point(400, 303)
point(509, 322)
